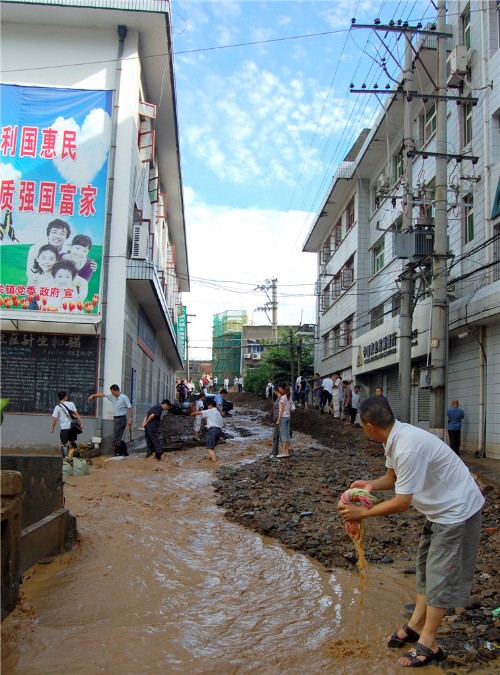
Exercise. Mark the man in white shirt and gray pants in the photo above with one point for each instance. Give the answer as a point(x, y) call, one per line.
point(424, 472)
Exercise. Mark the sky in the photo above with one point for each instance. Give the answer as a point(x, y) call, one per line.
point(265, 117)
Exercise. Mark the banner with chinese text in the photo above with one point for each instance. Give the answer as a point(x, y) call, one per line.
point(54, 148)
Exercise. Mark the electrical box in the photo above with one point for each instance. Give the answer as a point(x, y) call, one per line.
point(383, 183)
point(457, 65)
point(425, 379)
point(140, 242)
point(414, 245)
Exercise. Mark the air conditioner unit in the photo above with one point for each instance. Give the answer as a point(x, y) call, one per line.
point(457, 65)
point(256, 357)
point(382, 183)
point(140, 242)
point(247, 356)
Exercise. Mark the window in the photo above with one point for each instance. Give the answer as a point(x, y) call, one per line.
point(326, 298)
point(466, 27)
point(467, 123)
point(325, 345)
point(377, 316)
point(336, 287)
point(430, 121)
point(378, 257)
point(396, 305)
point(469, 218)
point(325, 252)
point(336, 339)
point(398, 162)
point(350, 214)
point(348, 329)
point(347, 274)
point(337, 233)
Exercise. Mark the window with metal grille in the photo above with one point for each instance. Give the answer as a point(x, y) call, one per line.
point(350, 214)
point(430, 121)
point(377, 316)
point(469, 218)
point(467, 123)
point(348, 329)
point(378, 256)
point(466, 32)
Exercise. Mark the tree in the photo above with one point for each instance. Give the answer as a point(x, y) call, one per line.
point(276, 362)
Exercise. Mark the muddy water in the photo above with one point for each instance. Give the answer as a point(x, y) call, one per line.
point(162, 583)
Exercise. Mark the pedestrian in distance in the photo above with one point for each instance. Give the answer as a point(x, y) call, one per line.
point(424, 472)
point(226, 383)
point(240, 384)
point(182, 392)
point(215, 424)
point(326, 393)
point(278, 393)
point(455, 417)
point(284, 420)
point(269, 389)
point(355, 403)
point(346, 401)
point(379, 393)
point(121, 408)
point(151, 427)
point(317, 389)
point(199, 405)
point(303, 392)
point(64, 412)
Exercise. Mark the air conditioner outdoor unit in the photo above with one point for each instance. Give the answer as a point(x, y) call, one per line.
point(256, 357)
point(247, 356)
point(457, 64)
point(382, 183)
point(140, 242)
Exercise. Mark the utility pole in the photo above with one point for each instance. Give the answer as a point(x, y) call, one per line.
point(299, 357)
point(440, 310)
point(405, 319)
point(274, 282)
point(292, 358)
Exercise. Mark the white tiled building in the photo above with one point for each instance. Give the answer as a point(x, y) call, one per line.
point(137, 338)
point(356, 230)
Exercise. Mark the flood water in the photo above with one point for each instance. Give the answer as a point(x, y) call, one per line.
point(162, 583)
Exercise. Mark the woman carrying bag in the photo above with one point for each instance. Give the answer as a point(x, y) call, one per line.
point(69, 422)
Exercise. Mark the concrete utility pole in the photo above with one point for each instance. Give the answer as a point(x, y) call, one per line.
point(440, 310)
point(292, 358)
point(405, 319)
point(274, 296)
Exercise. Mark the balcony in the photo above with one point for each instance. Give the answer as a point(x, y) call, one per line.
point(147, 284)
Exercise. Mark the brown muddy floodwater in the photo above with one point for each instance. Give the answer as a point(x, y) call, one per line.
point(162, 583)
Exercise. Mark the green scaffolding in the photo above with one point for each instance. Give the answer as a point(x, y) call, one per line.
point(226, 343)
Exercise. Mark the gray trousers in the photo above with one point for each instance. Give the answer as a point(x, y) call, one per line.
point(119, 426)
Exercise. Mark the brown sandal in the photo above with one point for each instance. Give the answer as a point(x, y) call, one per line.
point(395, 642)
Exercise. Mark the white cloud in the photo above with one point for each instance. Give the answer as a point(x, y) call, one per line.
point(93, 139)
point(231, 251)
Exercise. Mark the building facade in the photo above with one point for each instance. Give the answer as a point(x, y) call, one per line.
point(89, 147)
point(363, 244)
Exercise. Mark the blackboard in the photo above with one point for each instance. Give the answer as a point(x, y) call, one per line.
point(35, 366)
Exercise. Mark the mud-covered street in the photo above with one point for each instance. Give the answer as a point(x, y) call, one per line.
point(162, 581)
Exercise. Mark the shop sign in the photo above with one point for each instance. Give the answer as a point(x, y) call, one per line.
point(379, 349)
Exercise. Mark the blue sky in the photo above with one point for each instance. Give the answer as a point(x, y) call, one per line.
point(263, 127)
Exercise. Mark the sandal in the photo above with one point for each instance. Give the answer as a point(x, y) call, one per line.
point(395, 642)
point(422, 650)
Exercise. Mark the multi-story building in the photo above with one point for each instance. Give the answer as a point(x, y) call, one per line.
point(226, 343)
point(362, 248)
point(91, 174)
point(255, 340)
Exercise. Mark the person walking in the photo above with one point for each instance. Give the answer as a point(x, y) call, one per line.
point(182, 391)
point(317, 389)
point(269, 389)
point(215, 424)
point(326, 393)
point(68, 434)
point(455, 417)
point(151, 426)
point(226, 383)
point(240, 384)
point(278, 393)
point(424, 472)
point(303, 392)
point(199, 405)
point(355, 403)
point(121, 408)
point(346, 401)
point(284, 421)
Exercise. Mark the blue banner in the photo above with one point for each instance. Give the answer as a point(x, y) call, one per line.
point(54, 149)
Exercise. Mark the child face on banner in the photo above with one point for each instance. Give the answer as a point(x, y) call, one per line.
point(63, 278)
point(46, 260)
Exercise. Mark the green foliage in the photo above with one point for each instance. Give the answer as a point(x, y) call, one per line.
point(276, 362)
point(256, 379)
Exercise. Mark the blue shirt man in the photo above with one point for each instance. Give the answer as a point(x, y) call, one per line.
point(219, 400)
point(455, 417)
